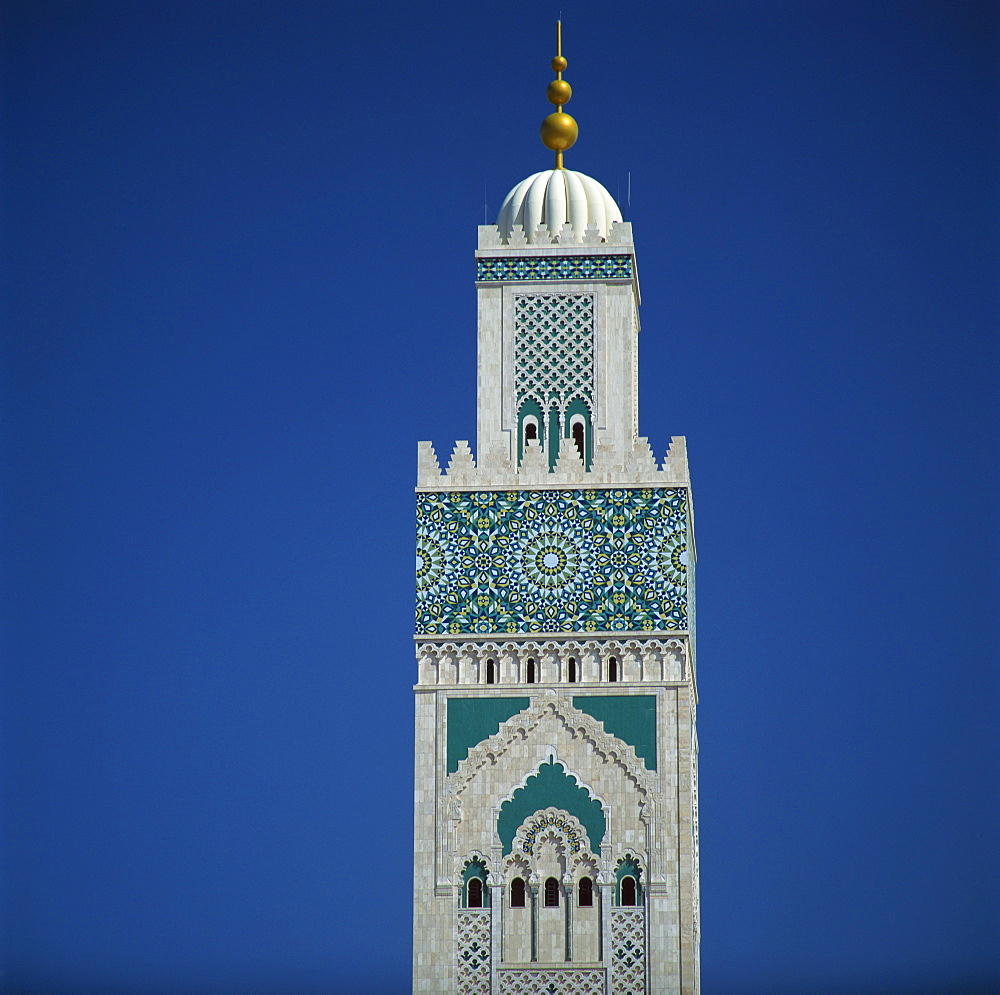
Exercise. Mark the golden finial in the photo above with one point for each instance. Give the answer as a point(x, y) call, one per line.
point(559, 130)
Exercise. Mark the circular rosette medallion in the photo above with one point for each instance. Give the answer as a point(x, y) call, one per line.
point(430, 562)
point(672, 558)
point(550, 560)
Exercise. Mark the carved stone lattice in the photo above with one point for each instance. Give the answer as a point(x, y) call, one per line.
point(557, 981)
point(554, 348)
point(628, 951)
point(473, 970)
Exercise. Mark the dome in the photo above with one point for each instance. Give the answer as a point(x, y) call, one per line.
point(554, 197)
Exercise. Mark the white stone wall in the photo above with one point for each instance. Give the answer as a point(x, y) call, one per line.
point(616, 349)
point(649, 815)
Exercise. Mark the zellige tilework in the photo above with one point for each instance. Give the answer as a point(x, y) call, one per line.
point(552, 561)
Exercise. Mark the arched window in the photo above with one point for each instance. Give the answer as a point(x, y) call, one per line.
point(491, 672)
point(612, 669)
point(628, 881)
point(551, 893)
point(572, 670)
point(577, 429)
point(476, 893)
point(530, 431)
point(530, 678)
point(628, 891)
point(517, 893)
point(586, 893)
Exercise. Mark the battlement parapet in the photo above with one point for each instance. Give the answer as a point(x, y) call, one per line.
point(612, 465)
point(588, 239)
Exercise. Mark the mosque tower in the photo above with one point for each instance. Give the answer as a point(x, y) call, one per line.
point(555, 796)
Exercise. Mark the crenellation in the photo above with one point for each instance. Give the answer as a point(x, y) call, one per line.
point(611, 465)
point(517, 237)
point(675, 465)
point(489, 237)
point(428, 468)
point(462, 466)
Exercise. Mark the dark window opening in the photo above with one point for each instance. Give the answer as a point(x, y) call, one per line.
point(531, 672)
point(578, 439)
point(517, 893)
point(476, 893)
point(552, 893)
point(530, 431)
point(491, 672)
point(612, 669)
point(586, 891)
point(628, 891)
point(572, 670)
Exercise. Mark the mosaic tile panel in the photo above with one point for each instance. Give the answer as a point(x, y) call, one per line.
point(551, 981)
point(555, 268)
point(554, 348)
point(473, 973)
point(607, 560)
point(628, 951)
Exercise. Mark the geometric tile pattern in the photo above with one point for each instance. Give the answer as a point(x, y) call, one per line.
point(555, 268)
point(554, 349)
point(548, 981)
point(628, 951)
point(473, 974)
point(595, 560)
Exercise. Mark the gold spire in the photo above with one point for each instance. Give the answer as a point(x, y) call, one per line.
point(559, 130)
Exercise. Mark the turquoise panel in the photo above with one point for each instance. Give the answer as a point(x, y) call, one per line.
point(551, 787)
point(552, 561)
point(555, 268)
point(471, 720)
point(631, 718)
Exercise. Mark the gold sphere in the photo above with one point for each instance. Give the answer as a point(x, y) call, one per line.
point(558, 131)
point(559, 64)
point(559, 92)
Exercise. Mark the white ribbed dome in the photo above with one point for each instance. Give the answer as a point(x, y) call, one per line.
point(554, 197)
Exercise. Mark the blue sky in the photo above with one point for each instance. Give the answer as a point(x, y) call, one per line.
point(238, 287)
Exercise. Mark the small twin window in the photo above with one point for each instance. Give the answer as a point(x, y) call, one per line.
point(612, 669)
point(530, 677)
point(572, 670)
point(491, 672)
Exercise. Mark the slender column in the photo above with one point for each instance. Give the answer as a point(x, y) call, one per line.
point(568, 889)
point(534, 920)
point(496, 933)
point(604, 892)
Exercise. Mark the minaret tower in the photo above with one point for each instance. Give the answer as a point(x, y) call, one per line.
point(555, 808)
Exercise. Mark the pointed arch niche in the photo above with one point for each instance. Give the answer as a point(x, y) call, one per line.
point(551, 850)
point(551, 786)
